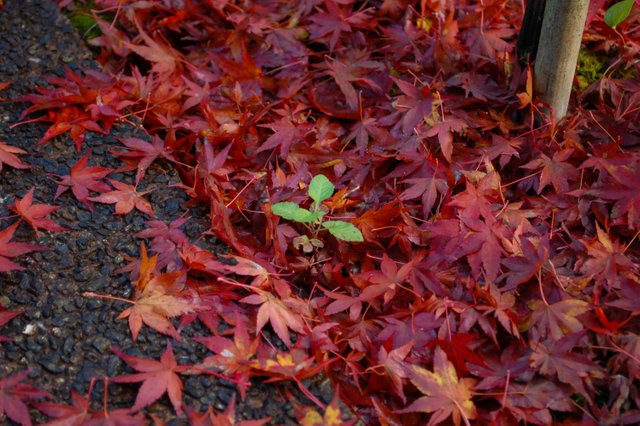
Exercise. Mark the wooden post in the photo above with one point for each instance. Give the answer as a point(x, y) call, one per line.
point(558, 50)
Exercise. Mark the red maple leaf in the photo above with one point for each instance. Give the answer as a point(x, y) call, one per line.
point(336, 20)
point(226, 418)
point(79, 413)
point(14, 394)
point(480, 86)
point(165, 59)
point(353, 70)
point(489, 42)
point(393, 362)
point(294, 366)
point(8, 156)
point(557, 359)
point(34, 214)
point(556, 171)
point(125, 197)
point(458, 351)
point(82, 179)
point(445, 130)
point(291, 128)
point(5, 317)
point(415, 104)
point(144, 153)
point(232, 357)
point(522, 268)
point(427, 188)
point(513, 363)
point(483, 245)
point(167, 241)
point(69, 119)
point(504, 149)
point(10, 249)
point(622, 189)
point(365, 129)
point(157, 377)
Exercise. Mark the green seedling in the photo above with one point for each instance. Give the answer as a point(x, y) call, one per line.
point(618, 12)
point(320, 189)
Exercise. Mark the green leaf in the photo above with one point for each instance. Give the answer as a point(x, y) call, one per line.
point(618, 12)
point(344, 231)
point(320, 189)
point(292, 211)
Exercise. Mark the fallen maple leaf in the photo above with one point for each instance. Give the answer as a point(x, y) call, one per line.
point(157, 377)
point(165, 59)
point(14, 394)
point(294, 366)
point(353, 70)
point(226, 418)
point(156, 300)
point(144, 153)
point(5, 317)
point(233, 357)
point(125, 197)
point(556, 170)
point(332, 416)
point(12, 249)
point(81, 179)
point(393, 362)
point(445, 394)
point(69, 119)
point(34, 214)
point(279, 313)
point(75, 414)
point(8, 157)
point(327, 26)
point(556, 359)
point(558, 319)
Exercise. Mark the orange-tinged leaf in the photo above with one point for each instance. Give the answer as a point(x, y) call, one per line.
point(526, 96)
point(125, 197)
point(157, 298)
point(445, 395)
point(279, 313)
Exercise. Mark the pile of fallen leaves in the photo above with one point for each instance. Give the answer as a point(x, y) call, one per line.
point(498, 276)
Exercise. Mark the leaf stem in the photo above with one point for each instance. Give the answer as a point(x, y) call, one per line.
point(105, 296)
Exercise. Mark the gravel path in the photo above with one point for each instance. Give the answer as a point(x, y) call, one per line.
point(64, 338)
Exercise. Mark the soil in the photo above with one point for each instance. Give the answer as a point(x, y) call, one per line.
point(63, 338)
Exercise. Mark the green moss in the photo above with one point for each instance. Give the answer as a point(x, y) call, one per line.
point(86, 24)
point(590, 68)
point(81, 16)
point(593, 65)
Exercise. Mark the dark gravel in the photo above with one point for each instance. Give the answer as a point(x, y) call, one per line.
point(64, 338)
